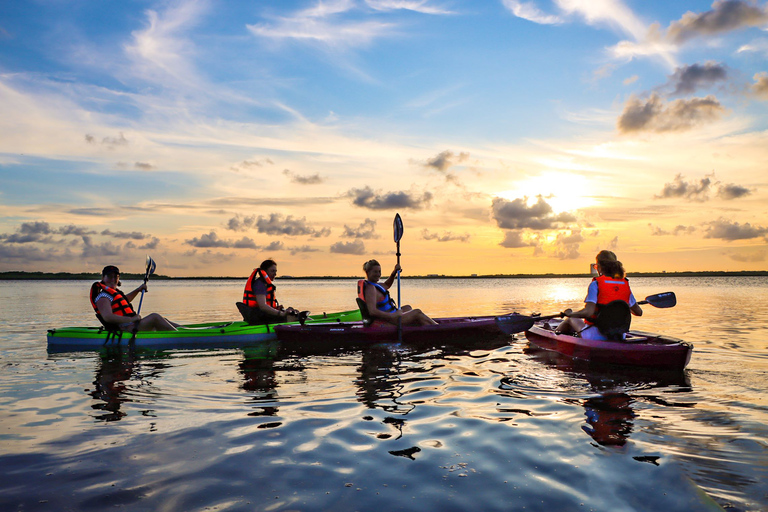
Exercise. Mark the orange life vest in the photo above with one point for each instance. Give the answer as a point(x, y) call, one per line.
point(120, 304)
point(249, 298)
point(386, 304)
point(609, 289)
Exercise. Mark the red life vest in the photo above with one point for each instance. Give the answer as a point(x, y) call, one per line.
point(609, 289)
point(120, 304)
point(386, 304)
point(249, 298)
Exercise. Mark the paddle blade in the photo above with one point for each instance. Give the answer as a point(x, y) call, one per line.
point(514, 323)
point(150, 267)
point(662, 300)
point(398, 228)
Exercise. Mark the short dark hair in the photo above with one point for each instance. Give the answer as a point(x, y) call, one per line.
point(110, 269)
point(266, 264)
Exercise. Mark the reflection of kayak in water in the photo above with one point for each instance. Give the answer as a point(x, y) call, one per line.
point(639, 349)
point(202, 335)
point(355, 333)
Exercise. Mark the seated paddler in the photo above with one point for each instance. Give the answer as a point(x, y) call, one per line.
point(378, 302)
point(113, 307)
point(260, 304)
point(609, 286)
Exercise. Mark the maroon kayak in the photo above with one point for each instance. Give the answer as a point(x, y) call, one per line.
point(640, 349)
point(354, 333)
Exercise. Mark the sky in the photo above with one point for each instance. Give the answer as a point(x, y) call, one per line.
point(512, 136)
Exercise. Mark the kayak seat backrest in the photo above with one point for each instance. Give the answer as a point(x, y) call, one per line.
point(109, 327)
point(367, 320)
point(613, 320)
point(251, 315)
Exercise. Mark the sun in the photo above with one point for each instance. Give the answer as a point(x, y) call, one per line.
point(563, 192)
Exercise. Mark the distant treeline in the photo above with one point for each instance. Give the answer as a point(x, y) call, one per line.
point(95, 276)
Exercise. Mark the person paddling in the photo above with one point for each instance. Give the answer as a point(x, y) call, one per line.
point(380, 305)
point(259, 300)
point(610, 285)
point(113, 308)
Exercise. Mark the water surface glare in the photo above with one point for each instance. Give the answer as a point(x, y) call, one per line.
point(477, 425)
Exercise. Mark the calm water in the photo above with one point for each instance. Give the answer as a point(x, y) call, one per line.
point(483, 426)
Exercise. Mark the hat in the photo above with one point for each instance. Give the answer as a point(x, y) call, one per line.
point(110, 269)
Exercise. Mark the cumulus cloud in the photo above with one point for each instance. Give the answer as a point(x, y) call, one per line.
point(26, 253)
point(445, 160)
point(760, 87)
point(515, 240)
point(676, 231)
point(133, 235)
point(725, 16)
point(691, 191)
point(567, 245)
point(278, 224)
point(313, 179)
point(212, 240)
point(655, 115)
point(688, 79)
point(103, 250)
point(302, 249)
point(366, 230)
point(240, 223)
point(699, 190)
point(446, 236)
point(727, 230)
point(518, 215)
point(353, 247)
point(41, 231)
point(367, 198)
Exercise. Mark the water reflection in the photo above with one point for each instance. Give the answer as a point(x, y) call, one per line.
point(116, 368)
point(260, 378)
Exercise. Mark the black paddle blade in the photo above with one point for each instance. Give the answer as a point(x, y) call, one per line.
point(514, 323)
point(398, 227)
point(662, 300)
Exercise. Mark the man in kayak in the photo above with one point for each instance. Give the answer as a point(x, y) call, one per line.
point(261, 306)
point(609, 285)
point(114, 309)
point(380, 304)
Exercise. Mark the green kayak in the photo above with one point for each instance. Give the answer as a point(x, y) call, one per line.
point(193, 335)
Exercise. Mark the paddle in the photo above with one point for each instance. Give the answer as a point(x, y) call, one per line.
point(398, 229)
point(150, 270)
point(514, 323)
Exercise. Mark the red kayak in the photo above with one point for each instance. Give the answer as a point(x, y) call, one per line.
point(355, 333)
point(640, 349)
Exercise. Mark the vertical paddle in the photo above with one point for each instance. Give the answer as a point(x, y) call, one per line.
point(398, 228)
point(149, 271)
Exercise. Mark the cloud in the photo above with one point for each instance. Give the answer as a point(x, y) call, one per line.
point(103, 250)
point(755, 257)
point(246, 165)
point(731, 191)
point(211, 240)
point(353, 247)
point(760, 87)
point(726, 230)
point(518, 215)
point(654, 115)
point(367, 198)
point(445, 160)
point(323, 24)
point(313, 179)
point(302, 249)
point(71, 229)
point(244, 243)
point(687, 79)
point(114, 142)
point(515, 240)
point(421, 6)
point(678, 230)
point(277, 245)
point(278, 224)
point(133, 235)
point(725, 16)
point(447, 236)
point(152, 244)
point(143, 166)
point(24, 254)
point(529, 11)
point(691, 191)
point(239, 223)
point(366, 230)
point(40, 231)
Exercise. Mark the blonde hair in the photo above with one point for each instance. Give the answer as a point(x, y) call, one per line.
point(368, 265)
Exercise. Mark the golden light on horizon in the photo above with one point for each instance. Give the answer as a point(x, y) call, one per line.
point(562, 191)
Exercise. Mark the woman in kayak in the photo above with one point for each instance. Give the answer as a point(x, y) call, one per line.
point(260, 301)
point(610, 284)
point(113, 307)
point(380, 304)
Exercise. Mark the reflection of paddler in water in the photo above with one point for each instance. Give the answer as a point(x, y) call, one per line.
point(115, 368)
point(609, 418)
